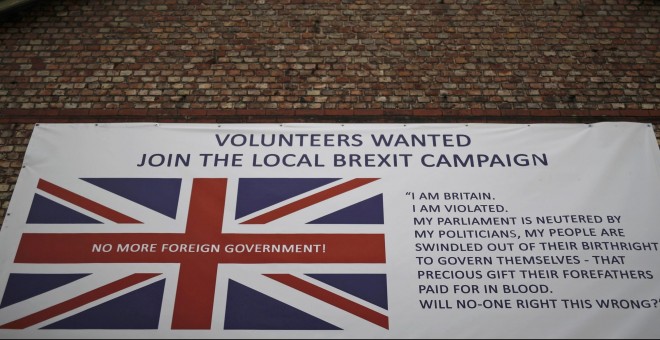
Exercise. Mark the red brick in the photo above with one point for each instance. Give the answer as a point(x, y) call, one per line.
point(193, 112)
point(134, 112)
point(368, 112)
point(545, 113)
point(427, 112)
point(220, 112)
point(340, 112)
point(635, 113)
point(250, 112)
point(101, 112)
point(481, 112)
point(605, 113)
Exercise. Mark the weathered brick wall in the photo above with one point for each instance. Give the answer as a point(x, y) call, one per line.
point(245, 61)
point(286, 54)
point(13, 142)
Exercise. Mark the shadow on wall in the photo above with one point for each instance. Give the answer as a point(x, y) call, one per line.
point(8, 7)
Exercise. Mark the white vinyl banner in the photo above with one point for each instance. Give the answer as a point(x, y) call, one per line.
point(334, 231)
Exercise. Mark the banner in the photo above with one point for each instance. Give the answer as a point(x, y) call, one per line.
point(334, 231)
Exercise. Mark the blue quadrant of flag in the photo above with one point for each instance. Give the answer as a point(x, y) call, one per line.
point(25, 286)
point(265, 195)
point(158, 194)
point(369, 211)
point(138, 309)
point(250, 309)
point(46, 211)
point(369, 287)
point(255, 194)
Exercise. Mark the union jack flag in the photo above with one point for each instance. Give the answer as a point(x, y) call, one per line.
point(199, 254)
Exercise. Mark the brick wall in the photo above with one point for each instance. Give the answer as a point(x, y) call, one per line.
point(288, 54)
point(13, 142)
point(574, 61)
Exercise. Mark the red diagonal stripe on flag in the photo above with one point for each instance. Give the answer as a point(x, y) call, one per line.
point(332, 298)
point(77, 301)
point(310, 200)
point(84, 203)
